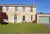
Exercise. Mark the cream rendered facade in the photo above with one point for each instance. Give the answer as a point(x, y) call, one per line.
point(11, 12)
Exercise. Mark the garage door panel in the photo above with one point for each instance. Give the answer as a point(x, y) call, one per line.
point(44, 19)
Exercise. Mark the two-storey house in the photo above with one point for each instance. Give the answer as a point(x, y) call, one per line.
point(18, 13)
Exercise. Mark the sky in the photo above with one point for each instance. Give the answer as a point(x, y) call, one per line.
point(41, 5)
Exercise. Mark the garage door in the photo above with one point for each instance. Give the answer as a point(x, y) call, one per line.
point(44, 19)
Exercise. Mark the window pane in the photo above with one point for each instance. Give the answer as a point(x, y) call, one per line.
point(7, 8)
point(23, 18)
point(31, 9)
point(31, 17)
point(23, 9)
point(15, 8)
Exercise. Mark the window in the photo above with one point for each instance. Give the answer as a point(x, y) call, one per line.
point(23, 18)
point(7, 8)
point(23, 9)
point(31, 9)
point(31, 17)
point(15, 8)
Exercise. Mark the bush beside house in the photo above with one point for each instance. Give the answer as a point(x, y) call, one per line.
point(2, 17)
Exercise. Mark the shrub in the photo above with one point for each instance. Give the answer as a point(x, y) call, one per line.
point(22, 22)
point(3, 16)
point(34, 21)
point(2, 22)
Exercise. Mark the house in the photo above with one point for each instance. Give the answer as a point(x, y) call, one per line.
point(18, 13)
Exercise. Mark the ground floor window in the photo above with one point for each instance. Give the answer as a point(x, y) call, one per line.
point(23, 18)
point(31, 17)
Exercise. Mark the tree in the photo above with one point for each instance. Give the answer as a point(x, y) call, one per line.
point(41, 12)
point(3, 16)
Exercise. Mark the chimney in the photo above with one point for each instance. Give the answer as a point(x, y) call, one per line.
point(33, 4)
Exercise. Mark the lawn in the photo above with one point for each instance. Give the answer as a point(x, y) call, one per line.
point(24, 28)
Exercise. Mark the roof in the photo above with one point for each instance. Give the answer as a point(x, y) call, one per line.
point(21, 5)
point(44, 13)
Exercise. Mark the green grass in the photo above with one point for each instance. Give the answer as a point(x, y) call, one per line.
point(23, 28)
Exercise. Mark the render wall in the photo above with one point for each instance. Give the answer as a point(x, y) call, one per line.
point(11, 11)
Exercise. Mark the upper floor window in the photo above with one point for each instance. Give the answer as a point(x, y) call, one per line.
point(16, 9)
point(23, 9)
point(31, 9)
point(7, 8)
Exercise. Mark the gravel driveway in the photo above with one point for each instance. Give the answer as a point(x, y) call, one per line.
point(47, 25)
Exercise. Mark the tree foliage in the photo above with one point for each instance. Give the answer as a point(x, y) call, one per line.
point(41, 12)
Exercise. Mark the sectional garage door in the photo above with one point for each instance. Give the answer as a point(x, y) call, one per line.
point(44, 19)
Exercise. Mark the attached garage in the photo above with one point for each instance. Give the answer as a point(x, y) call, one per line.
point(43, 18)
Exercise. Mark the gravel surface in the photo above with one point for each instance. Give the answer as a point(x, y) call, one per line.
point(47, 25)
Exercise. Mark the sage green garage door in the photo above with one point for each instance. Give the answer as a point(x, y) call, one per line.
point(44, 19)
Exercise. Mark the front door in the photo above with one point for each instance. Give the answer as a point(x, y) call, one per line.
point(15, 18)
